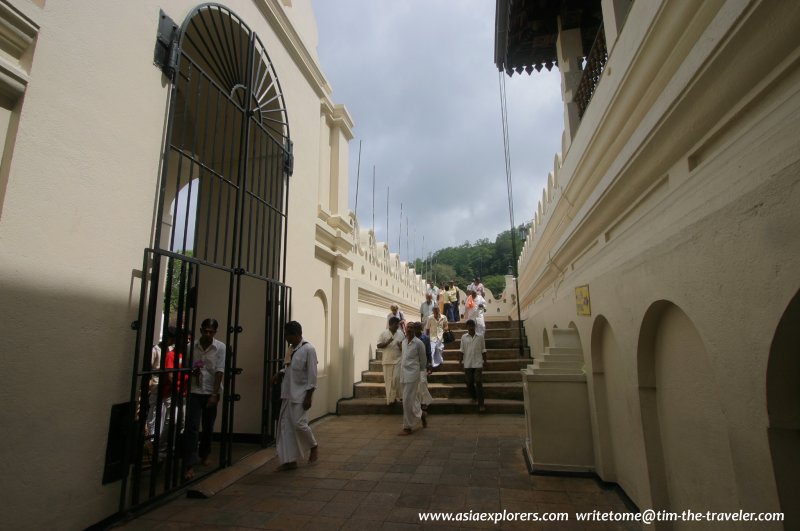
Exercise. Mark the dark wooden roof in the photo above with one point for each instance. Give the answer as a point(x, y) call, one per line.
point(526, 31)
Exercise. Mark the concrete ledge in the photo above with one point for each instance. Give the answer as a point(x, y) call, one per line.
point(227, 476)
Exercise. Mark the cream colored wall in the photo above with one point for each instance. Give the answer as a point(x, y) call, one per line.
point(78, 209)
point(76, 216)
point(680, 185)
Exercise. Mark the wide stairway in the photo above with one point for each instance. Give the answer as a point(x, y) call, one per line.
point(502, 380)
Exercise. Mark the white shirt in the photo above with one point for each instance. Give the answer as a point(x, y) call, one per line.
point(391, 352)
point(301, 374)
point(414, 360)
point(213, 361)
point(473, 348)
point(436, 327)
point(425, 310)
point(155, 364)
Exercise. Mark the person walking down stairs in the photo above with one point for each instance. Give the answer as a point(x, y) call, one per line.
point(473, 359)
point(390, 342)
point(412, 364)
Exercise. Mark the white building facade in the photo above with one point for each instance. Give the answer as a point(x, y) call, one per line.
point(665, 251)
point(164, 163)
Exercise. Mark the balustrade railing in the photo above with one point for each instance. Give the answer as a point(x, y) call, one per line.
point(595, 63)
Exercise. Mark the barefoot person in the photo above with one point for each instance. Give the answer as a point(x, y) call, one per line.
point(204, 395)
point(294, 436)
point(413, 362)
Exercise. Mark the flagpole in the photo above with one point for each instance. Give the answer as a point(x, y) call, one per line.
point(358, 178)
point(400, 232)
point(387, 214)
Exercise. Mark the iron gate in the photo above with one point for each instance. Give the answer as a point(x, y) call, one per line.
point(219, 246)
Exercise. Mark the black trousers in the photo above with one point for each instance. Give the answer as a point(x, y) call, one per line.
point(198, 415)
point(474, 379)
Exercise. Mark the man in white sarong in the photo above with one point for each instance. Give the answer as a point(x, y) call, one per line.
point(435, 328)
point(390, 342)
point(423, 394)
point(412, 364)
point(480, 309)
point(294, 437)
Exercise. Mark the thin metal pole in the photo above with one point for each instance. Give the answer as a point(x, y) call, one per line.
point(387, 213)
point(408, 257)
point(358, 177)
point(400, 232)
point(373, 201)
point(504, 119)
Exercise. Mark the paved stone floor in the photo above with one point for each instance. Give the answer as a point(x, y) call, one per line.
point(370, 478)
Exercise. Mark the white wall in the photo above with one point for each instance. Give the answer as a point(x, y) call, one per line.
point(680, 186)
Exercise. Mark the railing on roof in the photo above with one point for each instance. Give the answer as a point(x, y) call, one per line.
point(595, 63)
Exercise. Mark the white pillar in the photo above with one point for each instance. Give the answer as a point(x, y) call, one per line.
point(614, 13)
point(570, 54)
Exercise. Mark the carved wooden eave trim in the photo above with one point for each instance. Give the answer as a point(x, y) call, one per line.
point(276, 17)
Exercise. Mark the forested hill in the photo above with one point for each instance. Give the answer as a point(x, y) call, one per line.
point(484, 258)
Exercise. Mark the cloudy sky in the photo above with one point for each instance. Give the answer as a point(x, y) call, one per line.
point(418, 78)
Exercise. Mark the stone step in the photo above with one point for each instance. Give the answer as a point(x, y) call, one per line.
point(508, 391)
point(445, 376)
point(440, 406)
point(452, 365)
point(563, 351)
point(497, 333)
point(566, 337)
point(491, 324)
point(491, 354)
point(502, 342)
point(557, 370)
point(547, 363)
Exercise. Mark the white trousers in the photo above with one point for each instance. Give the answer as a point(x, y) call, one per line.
point(437, 347)
point(294, 437)
point(391, 379)
point(423, 395)
point(412, 412)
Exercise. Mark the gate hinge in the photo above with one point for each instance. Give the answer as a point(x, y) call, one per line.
point(288, 159)
point(166, 53)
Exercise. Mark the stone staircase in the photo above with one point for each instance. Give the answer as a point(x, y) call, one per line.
point(502, 382)
point(565, 357)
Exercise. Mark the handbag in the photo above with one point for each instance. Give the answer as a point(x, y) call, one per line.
point(449, 336)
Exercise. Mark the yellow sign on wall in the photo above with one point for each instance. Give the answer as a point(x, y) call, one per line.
point(582, 300)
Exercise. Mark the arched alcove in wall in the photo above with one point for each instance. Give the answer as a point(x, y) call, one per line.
point(685, 430)
point(783, 407)
point(603, 346)
point(316, 331)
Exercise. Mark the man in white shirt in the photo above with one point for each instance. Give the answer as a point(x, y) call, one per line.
point(473, 358)
point(294, 437)
point(426, 308)
point(390, 342)
point(435, 328)
point(479, 287)
point(206, 385)
point(413, 362)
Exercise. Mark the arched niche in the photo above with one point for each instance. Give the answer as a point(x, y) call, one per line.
point(603, 346)
point(687, 445)
point(783, 407)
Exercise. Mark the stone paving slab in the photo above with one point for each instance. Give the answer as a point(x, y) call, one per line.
point(370, 478)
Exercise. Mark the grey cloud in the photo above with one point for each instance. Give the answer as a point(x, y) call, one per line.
point(419, 80)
